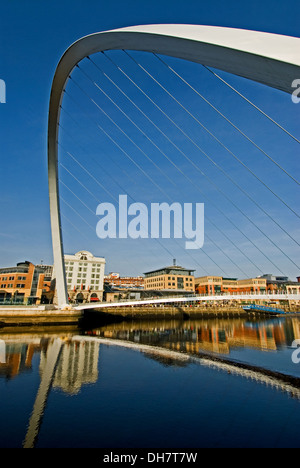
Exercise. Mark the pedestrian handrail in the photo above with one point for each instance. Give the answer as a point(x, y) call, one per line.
point(190, 298)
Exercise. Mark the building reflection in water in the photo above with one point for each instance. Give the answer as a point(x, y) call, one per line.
point(2, 352)
point(77, 364)
point(16, 355)
point(216, 336)
point(69, 362)
point(65, 364)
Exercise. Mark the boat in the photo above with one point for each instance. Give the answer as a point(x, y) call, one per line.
point(263, 309)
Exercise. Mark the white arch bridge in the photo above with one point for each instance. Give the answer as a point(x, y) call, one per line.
point(269, 59)
point(198, 298)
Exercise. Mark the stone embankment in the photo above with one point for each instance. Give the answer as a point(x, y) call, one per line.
point(39, 315)
point(47, 315)
point(178, 312)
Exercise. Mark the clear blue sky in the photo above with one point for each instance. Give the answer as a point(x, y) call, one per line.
point(34, 35)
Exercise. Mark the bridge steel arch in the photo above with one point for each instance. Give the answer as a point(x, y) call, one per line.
point(271, 59)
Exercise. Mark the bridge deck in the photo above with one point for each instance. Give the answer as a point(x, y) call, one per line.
point(194, 298)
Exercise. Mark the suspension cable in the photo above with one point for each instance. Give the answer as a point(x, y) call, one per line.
point(211, 134)
point(251, 103)
point(101, 128)
point(213, 183)
point(203, 173)
point(232, 124)
point(196, 186)
point(117, 201)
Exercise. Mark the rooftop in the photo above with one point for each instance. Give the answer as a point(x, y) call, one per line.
point(174, 269)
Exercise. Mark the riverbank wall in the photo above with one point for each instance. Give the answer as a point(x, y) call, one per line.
point(174, 312)
point(46, 315)
point(40, 315)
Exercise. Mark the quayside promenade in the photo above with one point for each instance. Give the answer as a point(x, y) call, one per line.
point(38, 315)
point(178, 312)
point(45, 315)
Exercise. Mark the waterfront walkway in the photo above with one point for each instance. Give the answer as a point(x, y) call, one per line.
point(180, 307)
point(197, 298)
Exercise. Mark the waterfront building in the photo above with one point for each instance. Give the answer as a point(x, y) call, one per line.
point(174, 278)
point(253, 285)
point(85, 276)
point(25, 283)
point(116, 294)
point(277, 279)
point(115, 280)
point(212, 285)
point(283, 284)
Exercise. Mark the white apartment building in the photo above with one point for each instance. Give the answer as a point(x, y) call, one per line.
point(85, 276)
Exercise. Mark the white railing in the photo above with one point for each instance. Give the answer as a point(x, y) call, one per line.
point(282, 295)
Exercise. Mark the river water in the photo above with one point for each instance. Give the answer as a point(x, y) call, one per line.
point(158, 384)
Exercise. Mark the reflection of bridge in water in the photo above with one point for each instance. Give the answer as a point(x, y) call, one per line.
point(217, 336)
point(277, 380)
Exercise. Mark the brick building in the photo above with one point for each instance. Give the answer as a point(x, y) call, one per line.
point(212, 285)
point(115, 280)
point(25, 283)
point(174, 278)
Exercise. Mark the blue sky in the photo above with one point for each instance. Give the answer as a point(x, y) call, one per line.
point(35, 34)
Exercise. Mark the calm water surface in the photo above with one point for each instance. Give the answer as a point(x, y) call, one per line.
point(193, 384)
